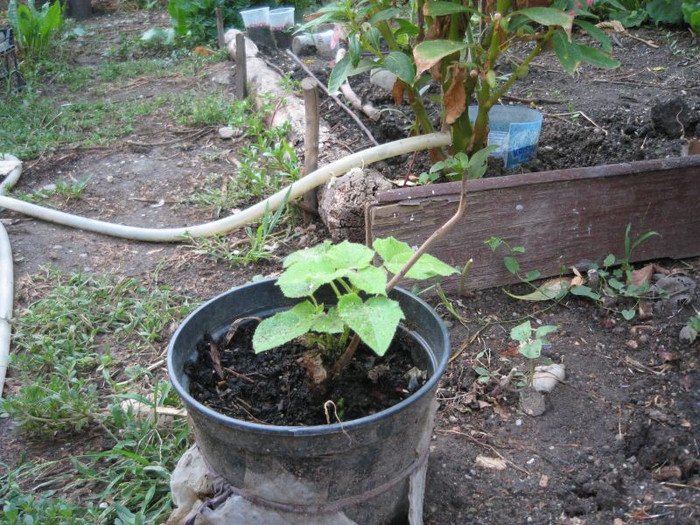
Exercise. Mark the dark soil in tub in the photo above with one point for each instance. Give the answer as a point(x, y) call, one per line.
point(276, 387)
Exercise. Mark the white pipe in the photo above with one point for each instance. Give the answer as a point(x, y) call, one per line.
point(307, 183)
point(232, 222)
point(6, 277)
point(6, 297)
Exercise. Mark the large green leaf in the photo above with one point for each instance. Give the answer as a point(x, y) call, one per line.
point(531, 350)
point(549, 16)
point(430, 52)
point(568, 53)
point(401, 65)
point(387, 14)
point(339, 74)
point(371, 280)
point(396, 254)
point(284, 326)
point(374, 321)
point(521, 332)
point(441, 8)
point(303, 279)
point(598, 58)
point(328, 323)
point(308, 255)
point(596, 34)
point(350, 255)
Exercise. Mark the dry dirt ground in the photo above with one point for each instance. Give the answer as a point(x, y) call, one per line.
point(618, 442)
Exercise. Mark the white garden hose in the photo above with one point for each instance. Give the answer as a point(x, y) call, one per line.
point(6, 275)
point(238, 220)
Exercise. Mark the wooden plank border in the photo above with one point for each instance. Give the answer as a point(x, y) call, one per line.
point(561, 217)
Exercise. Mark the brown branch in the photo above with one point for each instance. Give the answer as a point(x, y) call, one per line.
point(437, 234)
point(334, 98)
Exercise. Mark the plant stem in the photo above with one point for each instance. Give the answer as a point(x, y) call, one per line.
point(437, 234)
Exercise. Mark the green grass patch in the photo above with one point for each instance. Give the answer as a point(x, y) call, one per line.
point(82, 348)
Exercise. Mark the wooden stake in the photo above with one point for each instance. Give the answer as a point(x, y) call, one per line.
point(309, 85)
point(241, 68)
point(220, 27)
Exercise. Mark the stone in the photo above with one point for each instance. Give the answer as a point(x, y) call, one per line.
point(532, 403)
point(671, 117)
point(383, 79)
point(251, 49)
point(343, 200)
point(190, 480)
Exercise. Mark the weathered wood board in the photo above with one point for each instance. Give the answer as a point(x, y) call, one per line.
point(561, 217)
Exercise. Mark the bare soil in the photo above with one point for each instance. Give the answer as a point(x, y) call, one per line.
point(618, 442)
point(273, 388)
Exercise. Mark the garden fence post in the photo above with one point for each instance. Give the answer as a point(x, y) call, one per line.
point(309, 85)
point(241, 68)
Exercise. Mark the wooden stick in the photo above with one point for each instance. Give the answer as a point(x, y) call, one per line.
point(220, 27)
point(310, 140)
point(241, 68)
point(334, 98)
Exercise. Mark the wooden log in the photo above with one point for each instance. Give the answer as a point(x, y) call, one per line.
point(561, 218)
point(241, 68)
point(311, 138)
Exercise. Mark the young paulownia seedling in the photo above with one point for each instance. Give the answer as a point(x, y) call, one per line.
point(359, 286)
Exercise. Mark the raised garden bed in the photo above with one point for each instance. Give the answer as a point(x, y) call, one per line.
point(561, 217)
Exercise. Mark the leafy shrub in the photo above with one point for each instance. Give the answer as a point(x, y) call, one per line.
point(34, 28)
point(196, 19)
point(634, 13)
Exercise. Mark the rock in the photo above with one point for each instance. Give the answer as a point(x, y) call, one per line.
point(191, 484)
point(532, 402)
point(546, 378)
point(227, 132)
point(671, 117)
point(224, 78)
point(190, 480)
point(687, 335)
point(383, 78)
point(251, 49)
point(343, 200)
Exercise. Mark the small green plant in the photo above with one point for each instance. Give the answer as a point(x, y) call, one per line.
point(633, 13)
point(35, 29)
point(531, 341)
point(615, 277)
point(454, 168)
point(68, 191)
point(363, 306)
point(510, 261)
point(261, 243)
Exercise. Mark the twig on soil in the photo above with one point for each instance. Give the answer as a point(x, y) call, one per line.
point(468, 343)
point(487, 446)
point(234, 328)
point(239, 375)
point(334, 98)
point(535, 100)
point(571, 114)
point(216, 359)
point(196, 135)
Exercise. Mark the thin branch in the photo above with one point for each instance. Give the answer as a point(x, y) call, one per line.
point(334, 98)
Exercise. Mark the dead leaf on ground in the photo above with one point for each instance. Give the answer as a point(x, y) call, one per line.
point(490, 463)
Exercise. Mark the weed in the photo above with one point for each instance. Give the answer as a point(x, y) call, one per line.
point(530, 343)
point(68, 191)
point(260, 245)
point(59, 342)
point(612, 280)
